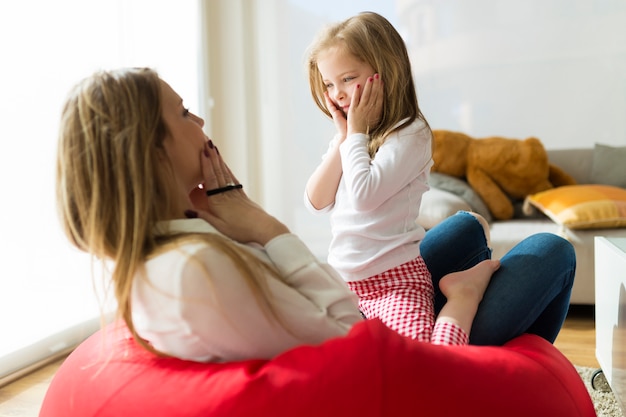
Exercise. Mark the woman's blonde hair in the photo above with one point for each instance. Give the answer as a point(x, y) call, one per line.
point(371, 39)
point(112, 183)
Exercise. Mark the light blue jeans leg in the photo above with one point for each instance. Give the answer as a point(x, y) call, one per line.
point(529, 293)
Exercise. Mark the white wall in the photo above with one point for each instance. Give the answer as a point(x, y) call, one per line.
point(46, 285)
point(554, 69)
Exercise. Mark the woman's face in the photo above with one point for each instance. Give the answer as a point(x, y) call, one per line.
point(341, 72)
point(185, 140)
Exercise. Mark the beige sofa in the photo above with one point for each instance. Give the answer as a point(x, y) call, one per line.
point(445, 199)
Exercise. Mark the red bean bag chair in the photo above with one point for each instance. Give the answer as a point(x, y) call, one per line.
point(372, 371)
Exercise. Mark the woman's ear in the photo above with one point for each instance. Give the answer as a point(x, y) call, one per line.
point(161, 153)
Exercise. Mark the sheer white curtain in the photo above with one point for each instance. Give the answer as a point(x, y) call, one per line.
point(47, 300)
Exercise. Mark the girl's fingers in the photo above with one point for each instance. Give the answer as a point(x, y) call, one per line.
point(338, 116)
point(329, 103)
point(354, 101)
point(367, 91)
point(371, 100)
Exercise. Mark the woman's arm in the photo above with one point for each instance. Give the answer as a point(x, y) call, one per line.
point(219, 318)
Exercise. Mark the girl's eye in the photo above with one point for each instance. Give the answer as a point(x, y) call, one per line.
point(185, 112)
point(328, 86)
point(348, 79)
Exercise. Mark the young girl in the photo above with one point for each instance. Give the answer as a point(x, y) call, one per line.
point(372, 179)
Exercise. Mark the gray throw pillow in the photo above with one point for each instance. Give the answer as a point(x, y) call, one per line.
point(438, 205)
point(609, 165)
point(462, 189)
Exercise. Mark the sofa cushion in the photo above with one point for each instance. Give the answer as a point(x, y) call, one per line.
point(575, 161)
point(609, 165)
point(462, 189)
point(371, 372)
point(438, 205)
point(583, 206)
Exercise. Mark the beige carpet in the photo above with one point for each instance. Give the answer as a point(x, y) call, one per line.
point(604, 402)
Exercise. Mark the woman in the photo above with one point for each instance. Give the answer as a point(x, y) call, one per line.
point(133, 165)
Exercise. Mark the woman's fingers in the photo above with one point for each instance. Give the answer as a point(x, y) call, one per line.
point(228, 172)
point(217, 176)
point(216, 173)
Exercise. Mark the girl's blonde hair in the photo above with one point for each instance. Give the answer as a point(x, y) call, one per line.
point(372, 39)
point(113, 186)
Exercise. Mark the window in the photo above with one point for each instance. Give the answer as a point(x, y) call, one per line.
point(47, 300)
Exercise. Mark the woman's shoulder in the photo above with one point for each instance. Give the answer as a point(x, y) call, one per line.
point(176, 255)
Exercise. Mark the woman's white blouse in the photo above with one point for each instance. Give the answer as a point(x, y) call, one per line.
point(192, 302)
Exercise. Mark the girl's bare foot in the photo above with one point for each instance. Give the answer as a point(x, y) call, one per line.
point(470, 284)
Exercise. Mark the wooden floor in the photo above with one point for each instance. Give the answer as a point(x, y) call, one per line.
point(24, 397)
point(576, 340)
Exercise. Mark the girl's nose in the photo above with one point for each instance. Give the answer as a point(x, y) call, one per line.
point(339, 94)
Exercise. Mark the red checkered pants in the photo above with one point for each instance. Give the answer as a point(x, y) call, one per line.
point(403, 298)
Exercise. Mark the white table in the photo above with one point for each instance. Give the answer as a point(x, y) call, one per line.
point(610, 286)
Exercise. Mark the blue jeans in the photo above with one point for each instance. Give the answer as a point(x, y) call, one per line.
point(530, 292)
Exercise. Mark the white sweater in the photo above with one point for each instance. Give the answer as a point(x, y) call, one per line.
point(377, 202)
point(193, 303)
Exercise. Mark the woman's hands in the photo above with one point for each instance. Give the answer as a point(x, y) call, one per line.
point(231, 212)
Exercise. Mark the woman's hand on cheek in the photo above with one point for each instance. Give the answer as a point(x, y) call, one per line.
point(232, 212)
point(198, 195)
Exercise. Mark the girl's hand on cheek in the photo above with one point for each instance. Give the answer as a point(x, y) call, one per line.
point(366, 106)
point(338, 117)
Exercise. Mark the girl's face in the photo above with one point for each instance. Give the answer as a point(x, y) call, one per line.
point(341, 72)
point(185, 140)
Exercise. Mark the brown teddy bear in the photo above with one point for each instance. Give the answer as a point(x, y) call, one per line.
point(499, 169)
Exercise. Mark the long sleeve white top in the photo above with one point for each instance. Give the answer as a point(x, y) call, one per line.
point(373, 217)
point(192, 302)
